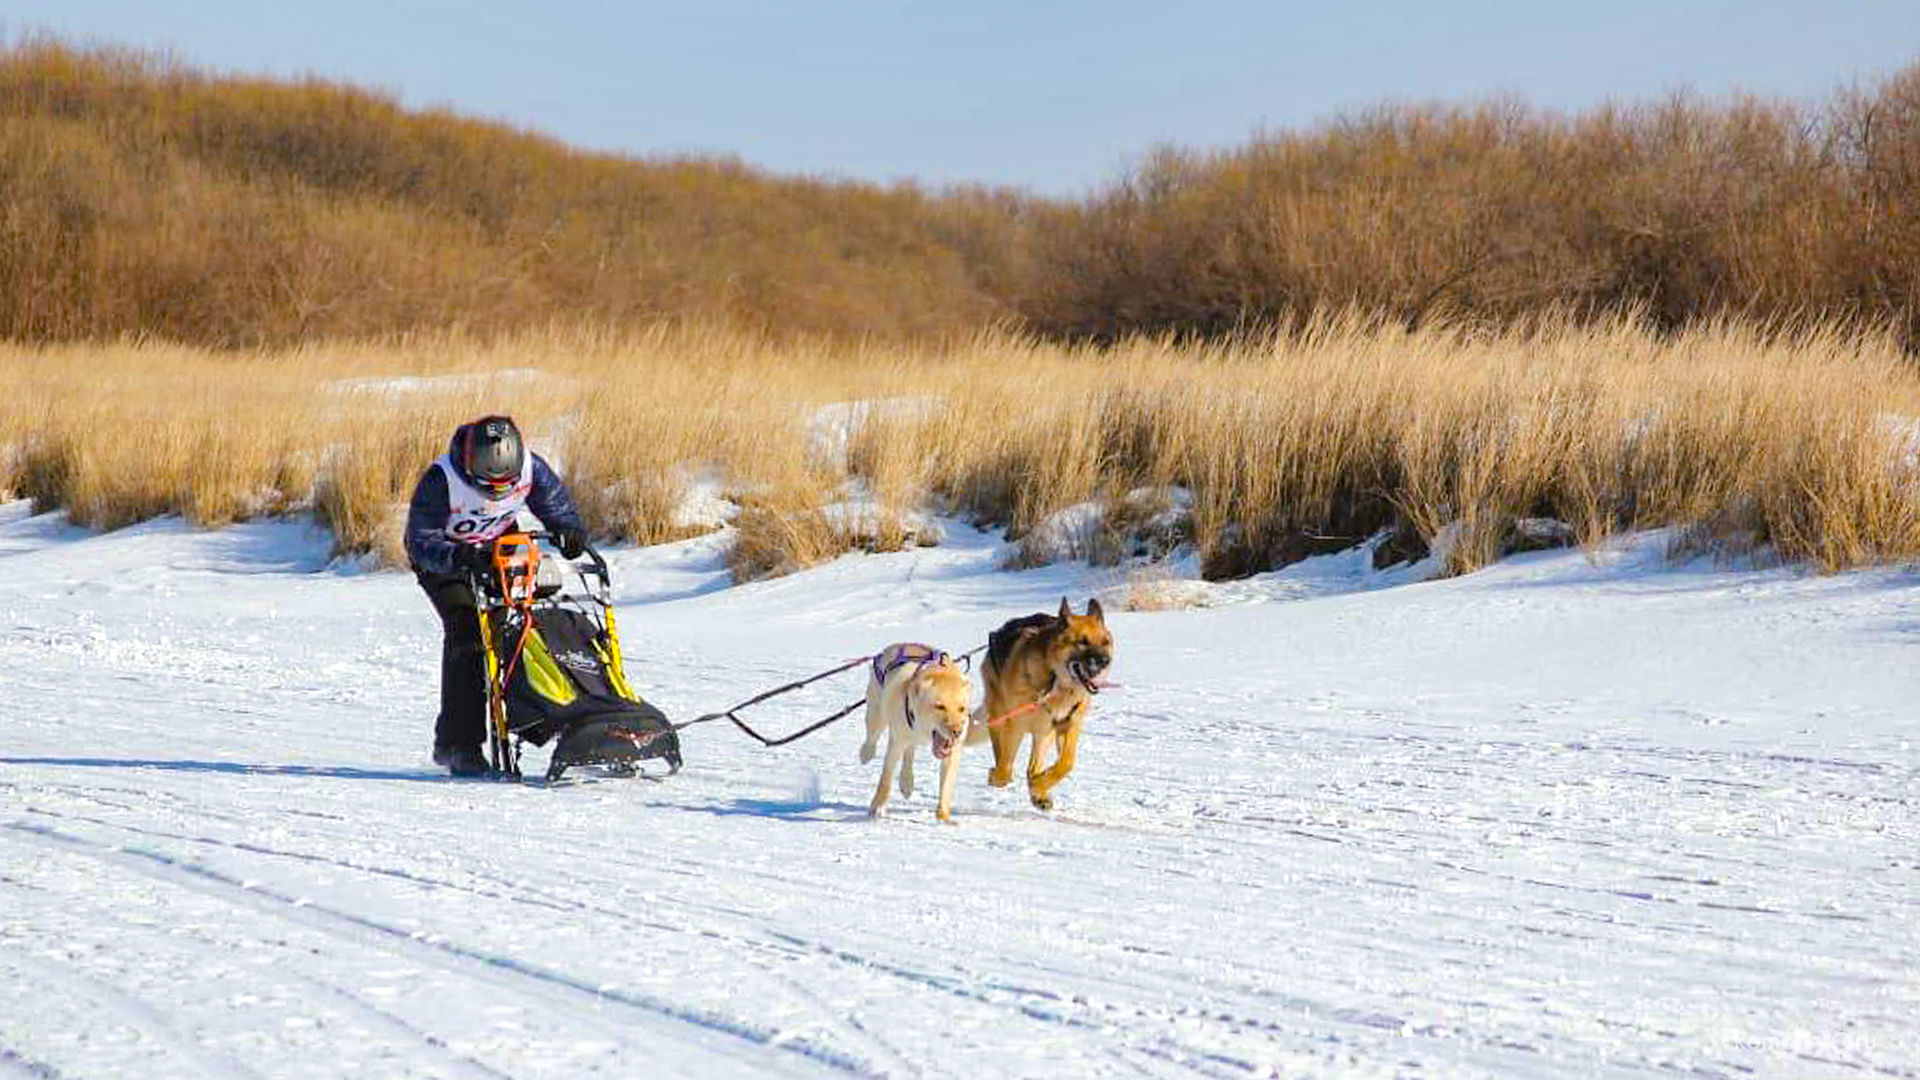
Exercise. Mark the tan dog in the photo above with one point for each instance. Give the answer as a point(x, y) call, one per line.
point(1042, 672)
point(919, 697)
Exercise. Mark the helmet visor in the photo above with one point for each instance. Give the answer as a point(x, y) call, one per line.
point(493, 454)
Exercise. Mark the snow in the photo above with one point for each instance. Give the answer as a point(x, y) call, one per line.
point(1560, 817)
point(1905, 431)
point(1339, 574)
point(1147, 525)
point(831, 427)
point(1068, 533)
point(858, 513)
point(401, 385)
point(704, 505)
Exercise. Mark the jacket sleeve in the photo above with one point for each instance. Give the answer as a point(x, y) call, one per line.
point(549, 500)
point(427, 543)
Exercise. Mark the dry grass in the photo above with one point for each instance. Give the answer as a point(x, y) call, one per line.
point(120, 433)
point(1302, 442)
point(776, 538)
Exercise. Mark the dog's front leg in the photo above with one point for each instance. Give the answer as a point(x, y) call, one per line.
point(1006, 751)
point(1036, 788)
point(906, 770)
point(949, 770)
point(895, 744)
point(876, 723)
point(1041, 786)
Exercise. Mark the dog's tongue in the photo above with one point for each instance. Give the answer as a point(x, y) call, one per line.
point(942, 746)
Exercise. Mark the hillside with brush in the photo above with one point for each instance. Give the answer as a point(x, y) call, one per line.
point(139, 196)
point(1685, 209)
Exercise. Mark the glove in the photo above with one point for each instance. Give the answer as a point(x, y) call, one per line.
point(572, 540)
point(472, 558)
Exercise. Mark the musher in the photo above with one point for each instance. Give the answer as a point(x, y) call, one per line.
point(468, 498)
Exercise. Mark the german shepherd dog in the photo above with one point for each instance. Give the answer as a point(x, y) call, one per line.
point(917, 696)
point(1051, 666)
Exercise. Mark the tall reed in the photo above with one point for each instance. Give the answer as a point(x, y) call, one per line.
point(1797, 439)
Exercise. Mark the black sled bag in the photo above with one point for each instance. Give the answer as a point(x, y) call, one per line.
point(569, 683)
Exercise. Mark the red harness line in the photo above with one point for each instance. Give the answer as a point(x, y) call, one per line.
point(1034, 704)
point(1011, 713)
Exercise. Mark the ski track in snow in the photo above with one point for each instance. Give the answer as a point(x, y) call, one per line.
point(1553, 819)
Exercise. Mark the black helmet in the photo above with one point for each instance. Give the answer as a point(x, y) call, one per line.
point(491, 453)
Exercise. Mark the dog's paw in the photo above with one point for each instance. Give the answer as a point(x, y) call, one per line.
point(876, 811)
point(867, 751)
point(1043, 802)
point(945, 817)
point(997, 777)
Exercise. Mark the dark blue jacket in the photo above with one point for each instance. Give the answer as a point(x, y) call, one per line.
point(427, 544)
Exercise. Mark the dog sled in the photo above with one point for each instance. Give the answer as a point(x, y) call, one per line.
point(554, 671)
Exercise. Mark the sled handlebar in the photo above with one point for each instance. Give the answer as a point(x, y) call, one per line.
point(484, 582)
point(588, 550)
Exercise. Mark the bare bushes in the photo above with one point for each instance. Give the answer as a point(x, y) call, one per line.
point(143, 197)
point(1691, 210)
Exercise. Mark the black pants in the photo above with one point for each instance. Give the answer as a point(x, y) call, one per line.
point(463, 663)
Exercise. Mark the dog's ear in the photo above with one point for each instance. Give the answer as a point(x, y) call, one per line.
point(1066, 609)
point(1093, 609)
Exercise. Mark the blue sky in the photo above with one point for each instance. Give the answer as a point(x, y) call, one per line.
point(1055, 97)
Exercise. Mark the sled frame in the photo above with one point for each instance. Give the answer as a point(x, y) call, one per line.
point(508, 604)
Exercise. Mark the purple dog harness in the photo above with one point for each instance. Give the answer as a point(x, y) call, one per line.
point(895, 657)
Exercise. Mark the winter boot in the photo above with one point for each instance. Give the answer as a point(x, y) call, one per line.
point(462, 760)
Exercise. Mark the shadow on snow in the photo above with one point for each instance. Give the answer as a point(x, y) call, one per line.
point(239, 768)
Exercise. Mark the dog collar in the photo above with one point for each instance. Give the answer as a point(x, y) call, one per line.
point(913, 724)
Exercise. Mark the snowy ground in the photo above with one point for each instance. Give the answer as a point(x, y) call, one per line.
point(1550, 820)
